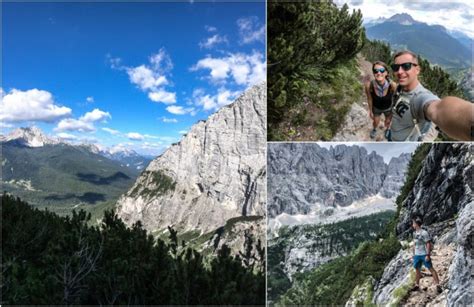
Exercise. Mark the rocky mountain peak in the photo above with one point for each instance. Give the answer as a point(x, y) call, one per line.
point(306, 178)
point(30, 137)
point(215, 173)
point(395, 178)
point(403, 18)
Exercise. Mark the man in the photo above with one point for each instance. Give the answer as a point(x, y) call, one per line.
point(422, 253)
point(414, 107)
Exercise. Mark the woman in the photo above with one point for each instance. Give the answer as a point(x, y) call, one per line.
point(379, 96)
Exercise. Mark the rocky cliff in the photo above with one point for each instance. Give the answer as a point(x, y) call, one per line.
point(442, 195)
point(395, 176)
point(305, 178)
point(215, 173)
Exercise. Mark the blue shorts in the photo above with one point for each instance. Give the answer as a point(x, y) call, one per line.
point(421, 259)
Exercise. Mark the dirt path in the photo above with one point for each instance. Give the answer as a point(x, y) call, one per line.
point(427, 295)
point(358, 125)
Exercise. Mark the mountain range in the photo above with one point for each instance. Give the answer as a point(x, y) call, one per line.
point(306, 178)
point(49, 172)
point(433, 42)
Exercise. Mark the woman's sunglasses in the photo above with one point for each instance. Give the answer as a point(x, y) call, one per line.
point(404, 66)
point(378, 70)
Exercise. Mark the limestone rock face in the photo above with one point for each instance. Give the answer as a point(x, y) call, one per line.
point(215, 173)
point(305, 176)
point(460, 282)
point(395, 275)
point(443, 187)
point(395, 176)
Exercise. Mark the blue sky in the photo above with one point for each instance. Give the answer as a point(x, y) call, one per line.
point(129, 74)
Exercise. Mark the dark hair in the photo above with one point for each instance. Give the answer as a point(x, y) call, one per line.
point(413, 55)
point(384, 66)
point(417, 220)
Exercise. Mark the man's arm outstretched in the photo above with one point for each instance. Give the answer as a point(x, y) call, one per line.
point(453, 115)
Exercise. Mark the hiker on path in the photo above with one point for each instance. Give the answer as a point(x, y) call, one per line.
point(379, 97)
point(414, 107)
point(422, 254)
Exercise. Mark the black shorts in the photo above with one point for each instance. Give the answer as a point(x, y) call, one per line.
point(378, 112)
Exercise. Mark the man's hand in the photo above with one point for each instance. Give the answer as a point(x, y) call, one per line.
point(427, 258)
point(454, 116)
point(371, 115)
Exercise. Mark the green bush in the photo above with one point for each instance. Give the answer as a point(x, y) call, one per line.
point(306, 42)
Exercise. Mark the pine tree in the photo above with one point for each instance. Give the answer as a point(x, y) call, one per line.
point(306, 40)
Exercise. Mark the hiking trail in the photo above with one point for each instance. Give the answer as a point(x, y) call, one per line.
point(441, 257)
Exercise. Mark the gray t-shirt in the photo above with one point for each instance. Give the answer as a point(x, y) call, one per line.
point(421, 237)
point(408, 109)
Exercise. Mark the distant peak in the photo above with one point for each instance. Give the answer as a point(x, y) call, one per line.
point(403, 18)
point(30, 136)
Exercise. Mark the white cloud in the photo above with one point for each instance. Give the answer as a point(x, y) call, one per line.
point(219, 67)
point(208, 102)
point(111, 131)
point(90, 99)
point(179, 110)
point(135, 136)
point(169, 120)
point(210, 28)
point(95, 115)
point(145, 78)
point(66, 136)
point(71, 124)
point(212, 41)
point(244, 69)
point(115, 63)
point(149, 136)
point(30, 105)
point(161, 61)
point(251, 30)
point(85, 123)
point(183, 132)
point(162, 96)
point(152, 77)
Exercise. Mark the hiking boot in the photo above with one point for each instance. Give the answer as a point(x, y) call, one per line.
point(439, 289)
point(388, 135)
point(373, 133)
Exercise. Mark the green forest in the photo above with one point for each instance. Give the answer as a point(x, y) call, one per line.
point(50, 259)
point(332, 283)
point(313, 70)
point(338, 238)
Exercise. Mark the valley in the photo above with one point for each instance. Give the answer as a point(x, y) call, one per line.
point(61, 176)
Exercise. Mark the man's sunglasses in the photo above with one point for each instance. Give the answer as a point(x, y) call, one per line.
point(404, 66)
point(378, 70)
